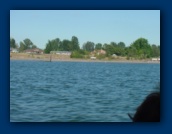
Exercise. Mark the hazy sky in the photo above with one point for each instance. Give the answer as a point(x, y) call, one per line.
point(98, 26)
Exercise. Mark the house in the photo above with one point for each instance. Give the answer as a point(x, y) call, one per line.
point(13, 50)
point(101, 52)
point(34, 51)
point(98, 52)
point(61, 52)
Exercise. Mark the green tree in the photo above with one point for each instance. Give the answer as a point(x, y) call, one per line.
point(109, 49)
point(121, 45)
point(34, 46)
point(131, 51)
point(114, 48)
point(74, 43)
point(155, 51)
point(79, 54)
point(52, 45)
point(88, 46)
point(22, 47)
point(66, 45)
point(159, 50)
point(104, 46)
point(120, 49)
point(28, 43)
point(55, 44)
point(143, 48)
point(114, 44)
point(13, 43)
point(98, 46)
point(49, 47)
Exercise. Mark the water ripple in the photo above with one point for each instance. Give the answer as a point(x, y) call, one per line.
point(78, 92)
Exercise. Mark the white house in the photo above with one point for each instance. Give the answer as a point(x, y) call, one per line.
point(13, 50)
point(61, 52)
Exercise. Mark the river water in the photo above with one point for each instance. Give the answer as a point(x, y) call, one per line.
point(78, 91)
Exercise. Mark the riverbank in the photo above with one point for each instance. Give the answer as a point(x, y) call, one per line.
point(48, 57)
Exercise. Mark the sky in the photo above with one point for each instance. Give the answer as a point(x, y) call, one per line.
point(98, 26)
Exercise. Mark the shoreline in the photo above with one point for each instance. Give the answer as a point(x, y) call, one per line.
point(66, 58)
point(85, 60)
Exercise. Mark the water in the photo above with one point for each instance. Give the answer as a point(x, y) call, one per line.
point(78, 91)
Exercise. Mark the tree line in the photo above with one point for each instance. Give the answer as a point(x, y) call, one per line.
point(25, 44)
point(139, 49)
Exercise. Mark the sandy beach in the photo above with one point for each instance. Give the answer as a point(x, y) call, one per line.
point(54, 57)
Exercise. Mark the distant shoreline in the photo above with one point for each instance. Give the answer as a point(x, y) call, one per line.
point(84, 60)
point(55, 58)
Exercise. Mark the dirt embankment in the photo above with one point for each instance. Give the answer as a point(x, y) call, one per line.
point(55, 57)
point(25, 56)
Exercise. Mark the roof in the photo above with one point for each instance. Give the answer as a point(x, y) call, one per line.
point(33, 50)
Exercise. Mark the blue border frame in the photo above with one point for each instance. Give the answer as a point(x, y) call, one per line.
point(166, 118)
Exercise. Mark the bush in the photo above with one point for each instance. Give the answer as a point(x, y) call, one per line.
point(80, 54)
point(76, 54)
point(101, 56)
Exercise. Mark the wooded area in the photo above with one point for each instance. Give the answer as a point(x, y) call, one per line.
point(139, 49)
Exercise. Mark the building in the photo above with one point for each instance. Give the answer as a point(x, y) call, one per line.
point(61, 52)
point(13, 50)
point(34, 51)
point(98, 52)
point(101, 52)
